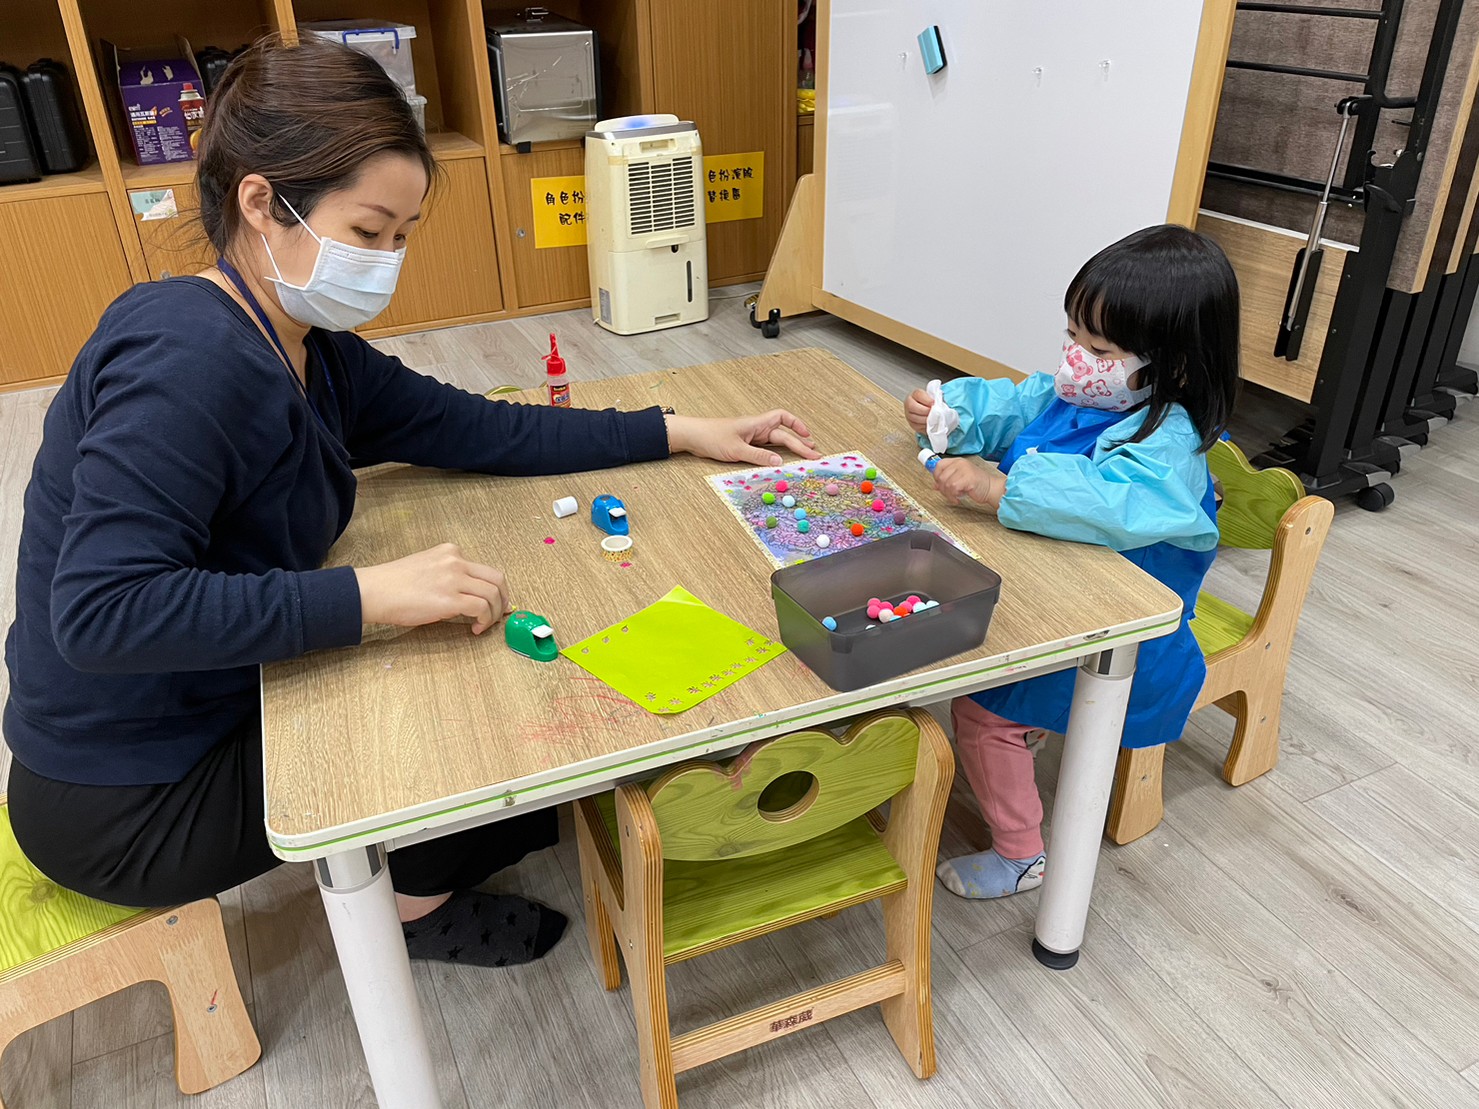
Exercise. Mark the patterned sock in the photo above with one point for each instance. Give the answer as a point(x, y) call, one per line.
point(990, 875)
point(485, 930)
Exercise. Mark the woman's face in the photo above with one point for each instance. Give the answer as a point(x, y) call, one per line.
point(378, 212)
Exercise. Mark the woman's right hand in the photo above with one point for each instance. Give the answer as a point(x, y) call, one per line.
point(433, 585)
point(917, 407)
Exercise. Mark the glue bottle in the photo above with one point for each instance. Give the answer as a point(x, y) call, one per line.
point(559, 384)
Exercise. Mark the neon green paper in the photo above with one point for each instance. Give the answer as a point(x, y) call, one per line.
point(674, 654)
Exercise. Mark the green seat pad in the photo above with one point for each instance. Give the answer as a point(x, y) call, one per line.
point(36, 915)
point(705, 903)
point(1218, 625)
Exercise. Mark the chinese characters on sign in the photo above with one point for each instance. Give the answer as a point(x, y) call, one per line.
point(559, 211)
point(734, 186)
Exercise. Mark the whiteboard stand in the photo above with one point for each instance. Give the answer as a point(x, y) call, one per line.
point(1173, 55)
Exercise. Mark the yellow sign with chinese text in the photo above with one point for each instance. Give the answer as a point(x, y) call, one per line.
point(734, 186)
point(559, 211)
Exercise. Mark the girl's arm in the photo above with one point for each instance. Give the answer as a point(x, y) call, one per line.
point(993, 412)
point(1130, 496)
point(393, 414)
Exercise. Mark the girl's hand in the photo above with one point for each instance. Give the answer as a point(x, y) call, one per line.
point(957, 478)
point(741, 438)
point(434, 585)
point(917, 407)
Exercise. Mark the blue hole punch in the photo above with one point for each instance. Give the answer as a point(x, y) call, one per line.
point(610, 515)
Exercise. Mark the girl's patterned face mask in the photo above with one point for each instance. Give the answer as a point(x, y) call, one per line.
point(1088, 381)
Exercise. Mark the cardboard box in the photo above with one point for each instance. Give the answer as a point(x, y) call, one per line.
point(162, 97)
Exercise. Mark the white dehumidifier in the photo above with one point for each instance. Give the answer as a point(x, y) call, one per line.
point(645, 233)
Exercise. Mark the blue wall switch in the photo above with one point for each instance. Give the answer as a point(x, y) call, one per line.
point(932, 50)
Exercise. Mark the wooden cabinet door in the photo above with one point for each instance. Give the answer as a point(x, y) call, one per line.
point(174, 245)
point(64, 265)
point(548, 275)
point(451, 267)
point(730, 67)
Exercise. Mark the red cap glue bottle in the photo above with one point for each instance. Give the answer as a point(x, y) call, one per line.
point(559, 384)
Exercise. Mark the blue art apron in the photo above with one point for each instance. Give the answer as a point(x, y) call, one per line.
point(1170, 670)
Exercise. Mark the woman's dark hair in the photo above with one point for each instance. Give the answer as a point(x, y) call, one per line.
point(1169, 295)
point(307, 118)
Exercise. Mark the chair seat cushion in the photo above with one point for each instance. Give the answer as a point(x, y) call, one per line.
point(1218, 625)
point(708, 905)
point(37, 916)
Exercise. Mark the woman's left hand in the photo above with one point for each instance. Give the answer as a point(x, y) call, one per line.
point(742, 438)
point(961, 479)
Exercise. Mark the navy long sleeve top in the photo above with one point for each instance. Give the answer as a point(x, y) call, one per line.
point(184, 497)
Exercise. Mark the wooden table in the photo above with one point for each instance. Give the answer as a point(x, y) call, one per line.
point(424, 732)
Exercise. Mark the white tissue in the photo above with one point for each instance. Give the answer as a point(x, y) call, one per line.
point(942, 420)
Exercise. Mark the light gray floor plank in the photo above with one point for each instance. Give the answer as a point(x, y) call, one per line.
point(1415, 831)
point(1308, 1031)
point(1134, 1040)
point(1413, 957)
point(142, 1076)
point(36, 1072)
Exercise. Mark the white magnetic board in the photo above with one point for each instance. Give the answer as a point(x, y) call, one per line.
point(962, 203)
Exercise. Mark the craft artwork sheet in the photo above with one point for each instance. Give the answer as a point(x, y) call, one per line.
point(831, 493)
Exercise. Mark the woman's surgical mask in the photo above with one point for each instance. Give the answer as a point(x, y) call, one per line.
point(1088, 381)
point(349, 285)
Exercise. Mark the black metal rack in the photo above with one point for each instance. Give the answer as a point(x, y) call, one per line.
point(1344, 447)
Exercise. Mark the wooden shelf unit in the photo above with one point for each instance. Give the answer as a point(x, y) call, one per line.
point(728, 65)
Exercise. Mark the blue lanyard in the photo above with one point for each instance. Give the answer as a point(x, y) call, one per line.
point(287, 363)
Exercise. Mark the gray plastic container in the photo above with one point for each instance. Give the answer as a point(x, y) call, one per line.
point(919, 563)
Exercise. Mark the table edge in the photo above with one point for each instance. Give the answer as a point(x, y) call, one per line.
point(961, 678)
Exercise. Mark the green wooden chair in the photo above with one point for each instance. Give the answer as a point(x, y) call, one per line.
point(60, 950)
point(707, 855)
point(1247, 655)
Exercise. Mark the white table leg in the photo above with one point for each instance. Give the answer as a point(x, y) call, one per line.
point(1090, 750)
point(360, 905)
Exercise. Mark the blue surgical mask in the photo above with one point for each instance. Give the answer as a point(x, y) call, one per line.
point(349, 285)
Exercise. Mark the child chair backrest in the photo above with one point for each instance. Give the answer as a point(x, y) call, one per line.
point(783, 791)
point(1254, 501)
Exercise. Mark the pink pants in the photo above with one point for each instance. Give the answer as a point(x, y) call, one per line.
point(993, 751)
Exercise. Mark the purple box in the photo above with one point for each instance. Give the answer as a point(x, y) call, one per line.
point(163, 100)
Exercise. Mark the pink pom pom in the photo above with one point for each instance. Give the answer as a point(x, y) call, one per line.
point(782, 486)
point(913, 601)
point(878, 506)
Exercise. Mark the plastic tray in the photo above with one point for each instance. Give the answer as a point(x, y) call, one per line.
point(921, 563)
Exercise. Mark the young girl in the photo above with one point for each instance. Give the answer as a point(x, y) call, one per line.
point(1111, 449)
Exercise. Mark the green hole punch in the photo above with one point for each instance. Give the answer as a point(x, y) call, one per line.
point(531, 635)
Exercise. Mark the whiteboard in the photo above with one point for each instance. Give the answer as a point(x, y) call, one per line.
point(962, 203)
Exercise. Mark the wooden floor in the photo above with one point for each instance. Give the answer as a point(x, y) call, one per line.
point(1311, 939)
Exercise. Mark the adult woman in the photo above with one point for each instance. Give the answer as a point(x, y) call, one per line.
point(196, 467)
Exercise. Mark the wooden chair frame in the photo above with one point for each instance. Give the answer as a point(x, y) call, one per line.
point(1245, 680)
point(182, 948)
point(624, 909)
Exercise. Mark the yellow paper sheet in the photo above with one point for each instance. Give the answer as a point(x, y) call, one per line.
point(559, 211)
point(734, 186)
point(674, 654)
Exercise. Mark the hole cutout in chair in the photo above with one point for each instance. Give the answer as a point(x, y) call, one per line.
point(788, 796)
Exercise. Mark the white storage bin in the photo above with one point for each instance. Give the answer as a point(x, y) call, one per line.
point(388, 43)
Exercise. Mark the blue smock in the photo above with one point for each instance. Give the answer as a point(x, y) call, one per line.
point(1072, 475)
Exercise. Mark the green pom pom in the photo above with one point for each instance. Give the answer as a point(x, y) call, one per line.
point(770, 520)
point(768, 498)
point(870, 473)
point(803, 526)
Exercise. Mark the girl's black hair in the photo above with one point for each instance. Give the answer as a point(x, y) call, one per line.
point(1169, 295)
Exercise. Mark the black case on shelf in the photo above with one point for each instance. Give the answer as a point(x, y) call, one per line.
point(213, 62)
point(61, 135)
point(18, 159)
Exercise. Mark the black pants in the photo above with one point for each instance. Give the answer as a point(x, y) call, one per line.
point(151, 846)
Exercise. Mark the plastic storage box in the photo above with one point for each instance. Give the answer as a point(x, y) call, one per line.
point(418, 109)
point(60, 133)
point(546, 75)
point(18, 159)
point(916, 563)
point(388, 43)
